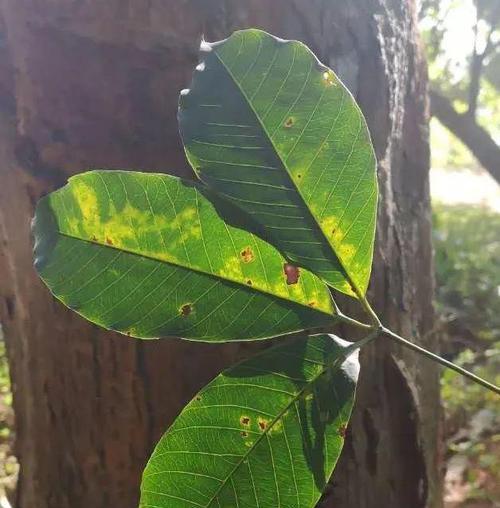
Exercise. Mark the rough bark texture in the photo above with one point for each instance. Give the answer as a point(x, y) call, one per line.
point(94, 83)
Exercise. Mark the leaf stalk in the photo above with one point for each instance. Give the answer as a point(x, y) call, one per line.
point(438, 359)
point(378, 329)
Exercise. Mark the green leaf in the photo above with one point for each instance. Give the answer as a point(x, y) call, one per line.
point(266, 124)
point(148, 255)
point(266, 433)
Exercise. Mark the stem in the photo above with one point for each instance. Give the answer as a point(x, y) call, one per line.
point(377, 329)
point(371, 313)
point(365, 340)
point(424, 352)
point(351, 321)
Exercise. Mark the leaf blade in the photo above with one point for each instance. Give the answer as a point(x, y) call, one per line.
point(273, 442)
point(274, 101)
point(148, 255)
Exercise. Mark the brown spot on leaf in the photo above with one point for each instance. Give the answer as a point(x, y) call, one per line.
point(289, 122)
point(198, 398)
point(342, 430)
point(109, 241)
point(292, 273)
point(312, 304)
point(245, 420)
point(249, 282)
point(262, 424)
point(247, 255)
point(186, 309)
point(244, 433)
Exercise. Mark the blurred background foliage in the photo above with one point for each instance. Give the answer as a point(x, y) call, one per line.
point(462, 41)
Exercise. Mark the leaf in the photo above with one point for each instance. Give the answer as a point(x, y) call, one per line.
point(149, 256)
point(266, 124)
point(266, 433)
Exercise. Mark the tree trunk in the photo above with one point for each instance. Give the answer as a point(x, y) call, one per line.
point(93, 84)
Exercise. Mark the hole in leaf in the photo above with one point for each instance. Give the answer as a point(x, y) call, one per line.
point(186, 309)
point(292, 273)
point(247, 255)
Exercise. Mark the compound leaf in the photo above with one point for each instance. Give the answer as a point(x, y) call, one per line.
point(267, 125)
point(266, 433)
point(148, 255)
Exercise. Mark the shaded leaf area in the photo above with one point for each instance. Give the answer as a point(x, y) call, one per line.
point(148, 255)
point(269, 126)
point(266, 433)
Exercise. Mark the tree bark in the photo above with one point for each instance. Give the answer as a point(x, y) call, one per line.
point(469, 132)
point(93, 84)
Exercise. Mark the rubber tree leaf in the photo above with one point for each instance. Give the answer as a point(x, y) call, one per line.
point(148, 255)
point(266, 433)
point(266, 124)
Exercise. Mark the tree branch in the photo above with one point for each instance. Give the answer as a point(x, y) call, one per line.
point(465, 128)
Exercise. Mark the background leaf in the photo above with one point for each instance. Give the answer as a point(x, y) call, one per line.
point(149, 256)
point(266, 124)
point(266, 433)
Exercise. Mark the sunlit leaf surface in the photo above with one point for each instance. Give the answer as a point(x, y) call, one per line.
point(268, 125)
point(149, 255)
point(266, 433)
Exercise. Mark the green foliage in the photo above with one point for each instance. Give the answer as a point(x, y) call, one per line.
point(275, 445)
point(453, 32)
point(149, 255)
point(287, 206)
point(289, 202)
point(268, 126)
point(5, 393)
point(467, 250)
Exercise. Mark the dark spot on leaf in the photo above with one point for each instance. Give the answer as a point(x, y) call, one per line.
point(129, 333)
point(299, 176)
point(342, 430)
point(186, 309)
point(244, 433)
point(109, 241)
point(247, 255)
point(249, 282)
point(245, 420)
point(312, 304)
point(198, 398)
point(333, 231)
point(292, 273)
point(94, 238)
point(289, 122)
point(262, 424)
